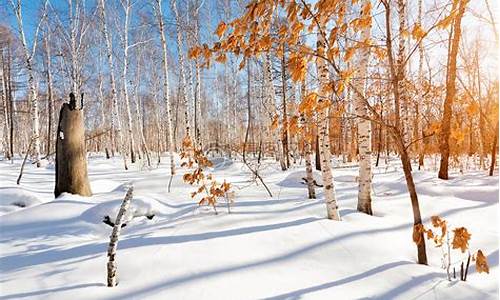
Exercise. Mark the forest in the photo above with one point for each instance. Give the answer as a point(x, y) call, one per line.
point(249, 149)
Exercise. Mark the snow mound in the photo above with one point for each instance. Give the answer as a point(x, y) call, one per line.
point(14, 198)
point(295, 179)
point(221, 163)
point(139, 207)
point(67, 197)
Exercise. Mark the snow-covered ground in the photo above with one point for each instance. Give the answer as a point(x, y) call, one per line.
point(267, 248)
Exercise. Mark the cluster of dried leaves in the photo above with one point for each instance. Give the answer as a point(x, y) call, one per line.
point(207, 185)
point(460, 240)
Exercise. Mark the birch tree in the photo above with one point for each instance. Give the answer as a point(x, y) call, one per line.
point(182, 74)
point(451, 75)
point(115, 120)
point(28, 59)
point(270, 103)
point(364, 130)
point(50, 96)
point(308, 138)
point(166, 93)
point(127, 7)
point(401, 64)
point(115, 235)
point(324, 140)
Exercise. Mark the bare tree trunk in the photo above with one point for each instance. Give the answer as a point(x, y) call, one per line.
point(404, 101)
point(199, 124)
point(102, 105)
point(71, 155)
point(127, 6)
point(307, 149)
point(270, 103)
point(12, 104)
point(494, 150)
point(24, 162)
point(166, 96)
point(138, 108)
point(6, 128)
point(364, 132)
point(324, 140)
point(50, 96)
point(182, 75)
point(420, 131)
point(114, 94)
point(115, 235)
point(396, 133)
point(28, 57)
point(249, 125)
point(284, 133)
point(317, 159)
point(444, 143)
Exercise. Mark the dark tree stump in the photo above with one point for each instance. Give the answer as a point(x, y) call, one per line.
point(71, 155)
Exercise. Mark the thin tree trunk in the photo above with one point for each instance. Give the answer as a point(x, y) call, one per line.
point(28, 59)
point(399, 139)
point(324, 140)
point(50, 97)
point(11, 103)
point(6, 129)
point(249, 124)
point(182, 78)
point(420, 131)
point(404, 101)
point(494, 150)
point(284, 132)
point(307, 150)
point(166, 92)
point(270, 103)
point(127, 7)
point(317, 159)
point(101, 103)
point(114, 94)
point(444, 146)
point(115, 235)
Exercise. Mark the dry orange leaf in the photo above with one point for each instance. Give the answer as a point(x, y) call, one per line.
point(481, 263)
point(461, 239)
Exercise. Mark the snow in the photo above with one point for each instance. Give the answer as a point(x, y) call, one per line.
point(12, 198)
point(267, 248)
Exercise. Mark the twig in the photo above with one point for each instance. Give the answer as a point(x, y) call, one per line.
point(24, 161)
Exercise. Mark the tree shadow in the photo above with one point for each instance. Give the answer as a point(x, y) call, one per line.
point(17, 261)
point(40, 293)
point(298, 293)
point(412, 283)
point(153, 288)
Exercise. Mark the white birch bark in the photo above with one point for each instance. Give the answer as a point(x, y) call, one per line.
point(364, 130)
point(405, 114)
point(28, 57)
point(115, 235)
point(73, 29)
point(166, 95)
point(101, 102)
point(420, 144)
point(307, 150)
point(6, 128)
point(138, 108)
point(182, 77)
point(270, 103)
point(324, 141)
point(127, 9)
point(197, 96)
point(50, 96)
point(114, 94)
